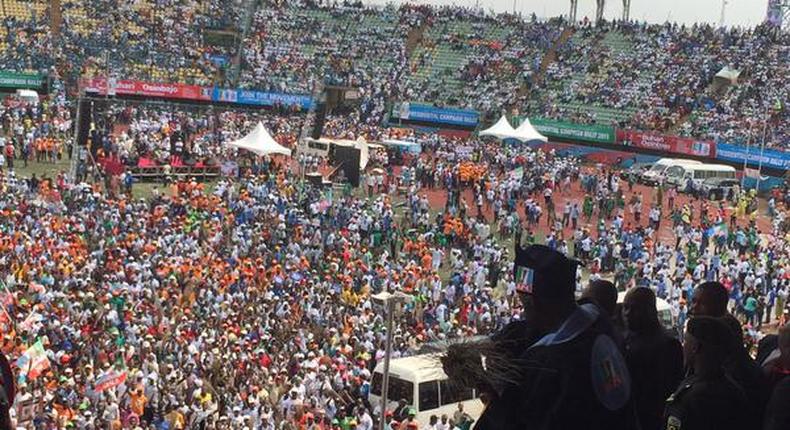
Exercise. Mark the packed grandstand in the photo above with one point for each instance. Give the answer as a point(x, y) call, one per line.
point(234, 295)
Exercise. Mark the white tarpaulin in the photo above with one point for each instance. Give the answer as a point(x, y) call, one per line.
point(501, 130)
point(729, 74)
point(364, 152)
point(261, 142)
point(526, 133)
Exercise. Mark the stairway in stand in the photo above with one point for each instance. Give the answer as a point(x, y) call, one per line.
point(550, 57)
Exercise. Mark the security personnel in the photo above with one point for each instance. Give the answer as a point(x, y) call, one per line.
point(654, 357)
point(708, 399)
point(710, 299)
point(7, 393)
point(570, 373)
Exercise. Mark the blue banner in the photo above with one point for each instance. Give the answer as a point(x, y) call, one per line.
point(425, 113)
point(219, 60)
point(771, 158)
point(260, 98)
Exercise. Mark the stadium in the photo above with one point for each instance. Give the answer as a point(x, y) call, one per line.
point(302, 215)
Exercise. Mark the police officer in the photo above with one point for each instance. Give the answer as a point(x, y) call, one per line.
point(709, 398)
point(571, 375)
point(653, 355)
point(7, 392)
point(710, 299)
point(777, 413)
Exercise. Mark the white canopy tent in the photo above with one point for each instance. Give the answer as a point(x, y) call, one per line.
point(501, 130)
point(526, 133)
point(260, 142)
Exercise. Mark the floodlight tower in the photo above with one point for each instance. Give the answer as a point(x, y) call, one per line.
point(626, 10)
point(784, 12)
point(572, 14)
point(599, 10)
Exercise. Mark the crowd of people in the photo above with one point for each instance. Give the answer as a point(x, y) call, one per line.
point(661, 77)
point(247, 303)
point(249, 306)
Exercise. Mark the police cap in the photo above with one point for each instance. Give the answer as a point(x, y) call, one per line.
point(544, 272)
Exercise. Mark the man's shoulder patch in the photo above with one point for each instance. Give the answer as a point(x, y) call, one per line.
point(610, 378)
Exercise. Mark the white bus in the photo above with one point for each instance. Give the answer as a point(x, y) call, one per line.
point(421, 381)
point(663, 309)
point(656, 174)
point(697, 173)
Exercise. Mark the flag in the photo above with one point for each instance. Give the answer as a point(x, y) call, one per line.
point(109, 380)
point(525, 278)
point(30, 321)
point(33, 362)
point(720, 228)
point(751, 173)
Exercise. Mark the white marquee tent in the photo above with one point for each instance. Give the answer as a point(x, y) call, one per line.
point(501, 130)
point(260, 142)
point(526, 133)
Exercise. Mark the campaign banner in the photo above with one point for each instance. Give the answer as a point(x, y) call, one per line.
point(31, 81)
point(260, 98)
point(666, 143)
point(770, 158)
point(572, 131)
point(109, 380)
point(114, 87)
point(33, 362)
point(447, 116)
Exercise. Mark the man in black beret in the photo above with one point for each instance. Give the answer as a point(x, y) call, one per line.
point(708, 398)
point(570, 373)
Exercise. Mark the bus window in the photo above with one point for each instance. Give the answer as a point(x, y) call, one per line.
point(429, 395)
point(398, 389)
point(453, 393)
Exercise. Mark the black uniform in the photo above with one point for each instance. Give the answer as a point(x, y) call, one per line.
point(572, 379)
point(656, 365)
point(715, 403)
point(777, 413)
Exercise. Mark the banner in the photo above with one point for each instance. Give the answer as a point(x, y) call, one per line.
point(771, 158)
point(424, 113)
point(571, 131)
point(109, 380)
point(31, 81)
point(667, 143)
point(33, 362)
point(113, 87)
point(260, 98)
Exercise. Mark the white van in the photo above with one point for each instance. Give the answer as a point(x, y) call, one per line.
point(656, 174)
point(697, 173)
point(421, 381)
point(662, 307)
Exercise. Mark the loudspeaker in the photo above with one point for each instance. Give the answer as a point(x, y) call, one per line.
point(349, 156)
point(320, 118)
point(85, 115)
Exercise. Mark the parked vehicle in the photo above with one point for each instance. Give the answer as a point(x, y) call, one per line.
point(656, 174)
point(635, 171)
point(719, 188)
point(422, 383)
point(694, 174)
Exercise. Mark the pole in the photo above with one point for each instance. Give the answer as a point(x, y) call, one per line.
point(721, 17)
point(746, 157)
point(760, 161)
point(390, 306)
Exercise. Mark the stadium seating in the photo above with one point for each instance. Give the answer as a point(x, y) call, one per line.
point(652, 77)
